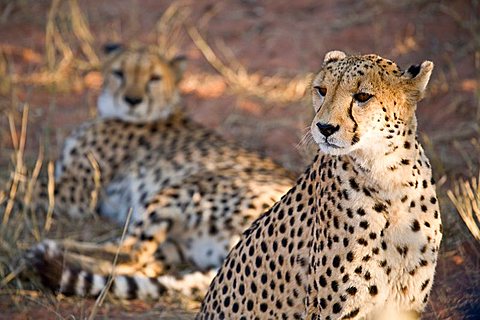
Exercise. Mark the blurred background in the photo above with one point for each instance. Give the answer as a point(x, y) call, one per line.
point(249, 64)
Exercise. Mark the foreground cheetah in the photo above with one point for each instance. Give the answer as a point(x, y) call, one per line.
point(192, 192)
point(357, 237)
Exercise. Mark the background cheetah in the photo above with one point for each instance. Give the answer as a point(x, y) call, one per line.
point(191, 191)
point(358, 235)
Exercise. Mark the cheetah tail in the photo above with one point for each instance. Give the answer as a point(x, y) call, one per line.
point(48, 261)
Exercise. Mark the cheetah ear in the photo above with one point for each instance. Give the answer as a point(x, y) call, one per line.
point(178, 63)
point(418, 76)
point(333, 56)
point(109, 48)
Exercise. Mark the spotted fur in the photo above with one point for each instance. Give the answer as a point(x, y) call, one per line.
point(358, 235)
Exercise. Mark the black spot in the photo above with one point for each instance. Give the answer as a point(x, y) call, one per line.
point(361, 212)
point(235, 307)
point(226, 302)
point(373, 290)
point(334, 286)
point(336, 308)
point(379, 207)
point(367, 276)
point(263, 307)
point(415, 226)
point(364, 224)
point(323, 281)
point(336, 261)
point(352, 314)
point(352, 291)
point(425, 284)
point(362, 241)
point(350, 256)
point(354, 184)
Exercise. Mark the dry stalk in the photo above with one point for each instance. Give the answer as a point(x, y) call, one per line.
point(33, 179)
point(20, 170)
point(169, 28)
point(12, 275)
point(50, 50)
point(466, 198)
point(111, 277)
point(82, 32)
point(51, 195)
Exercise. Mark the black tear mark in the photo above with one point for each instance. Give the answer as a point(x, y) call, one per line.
point(355, 137)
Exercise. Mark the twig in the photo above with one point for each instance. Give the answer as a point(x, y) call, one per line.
point(51, 196)
point(19, 166)
point(12, 275)
point(112, 275)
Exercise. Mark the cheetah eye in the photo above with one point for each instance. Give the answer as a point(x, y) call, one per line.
point(362, 97)
point(321, 91)
point(155, 77)
point(118, 73)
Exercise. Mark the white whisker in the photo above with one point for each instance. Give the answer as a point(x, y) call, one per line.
point(306, 139)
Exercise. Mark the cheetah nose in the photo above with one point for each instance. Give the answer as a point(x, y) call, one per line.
point(133, 101)
point(327, 129)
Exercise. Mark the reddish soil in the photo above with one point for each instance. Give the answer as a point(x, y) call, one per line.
point(272, 37)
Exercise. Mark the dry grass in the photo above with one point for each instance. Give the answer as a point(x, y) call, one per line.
point(465, 192)
point(68, 50)
point(465, 195)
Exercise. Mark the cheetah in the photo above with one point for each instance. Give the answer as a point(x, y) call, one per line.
point(191, 192)
point(358, 235)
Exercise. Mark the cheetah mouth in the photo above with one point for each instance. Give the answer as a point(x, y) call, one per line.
point(331, 145)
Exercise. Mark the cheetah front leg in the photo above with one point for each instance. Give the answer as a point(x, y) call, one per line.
point(106, 251)
point(67, 196)
point(94, 257)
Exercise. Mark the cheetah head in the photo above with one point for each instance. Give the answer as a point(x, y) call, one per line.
point(364, 102)
point(140, 85)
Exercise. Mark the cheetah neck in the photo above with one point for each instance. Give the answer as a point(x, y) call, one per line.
point(394, 166)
